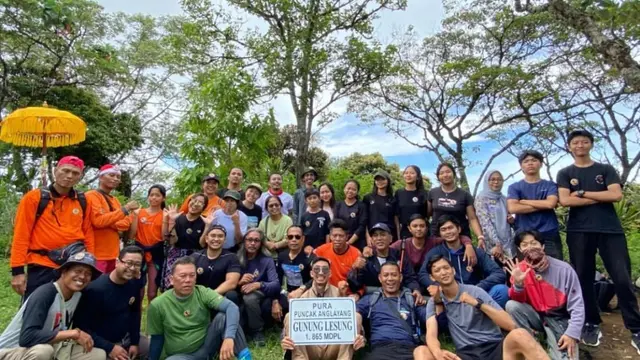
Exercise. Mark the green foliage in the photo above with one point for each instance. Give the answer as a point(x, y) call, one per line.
point(218, 133)
point(9, 199)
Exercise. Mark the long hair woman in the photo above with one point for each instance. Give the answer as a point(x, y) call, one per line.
point(183, 232)
point(380, 204)
point(410, 200)
point(147, 227)
point(448, 198)
point(327, 198)
point(275, 225)
point(354, 213)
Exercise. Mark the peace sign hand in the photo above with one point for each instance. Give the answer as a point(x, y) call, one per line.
point(514, 270)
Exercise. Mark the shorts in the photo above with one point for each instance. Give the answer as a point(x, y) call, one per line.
point(484, 351)
point(391, 350)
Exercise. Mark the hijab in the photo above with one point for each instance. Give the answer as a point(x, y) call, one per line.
point(503, 228)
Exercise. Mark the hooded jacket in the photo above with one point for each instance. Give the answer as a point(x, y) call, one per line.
point(368, 276)
point(485, 275)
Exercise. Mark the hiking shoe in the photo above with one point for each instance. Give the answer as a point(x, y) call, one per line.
point(259, 339)
point(635, 341)
point(591, 335)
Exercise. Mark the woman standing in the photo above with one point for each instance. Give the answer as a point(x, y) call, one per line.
point(410, 200)
point(275, 225)
point(491, 207)
point(354, 213)
point(184, 232)
point(448, 198)
point(327, 198)
point(259, 283)
point(379, 204)
point(147, 227)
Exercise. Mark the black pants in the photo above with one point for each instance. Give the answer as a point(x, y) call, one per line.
point(615, 255)
point(38, 275)
point(391, 350)
point(553, 244)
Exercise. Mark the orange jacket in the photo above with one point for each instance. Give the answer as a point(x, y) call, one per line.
point(62, 223)
point(107, 224)
point(214, 204)
point(341, 264)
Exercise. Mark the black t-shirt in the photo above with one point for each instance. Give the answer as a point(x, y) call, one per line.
point(356, 218)
point(109, 311)
point(189, 232)
point(222, 191)
point(454, 203)
point(315, 227)
point(297, 271)
point(600, 217)
point(380, 209)
point(409, 202)
point(212, 273)
point(253, 215)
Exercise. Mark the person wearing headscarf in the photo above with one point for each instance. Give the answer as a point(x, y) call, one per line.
point(491, 209)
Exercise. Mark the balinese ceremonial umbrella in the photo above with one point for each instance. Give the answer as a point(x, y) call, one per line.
point(42, 127)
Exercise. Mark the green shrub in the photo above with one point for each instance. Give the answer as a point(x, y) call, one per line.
point(9, 199)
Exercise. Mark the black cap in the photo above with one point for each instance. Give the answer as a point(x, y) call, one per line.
point(211, 176)
point(380, 226)
point(81, 258)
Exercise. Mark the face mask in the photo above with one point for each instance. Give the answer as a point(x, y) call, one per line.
point(537, 259)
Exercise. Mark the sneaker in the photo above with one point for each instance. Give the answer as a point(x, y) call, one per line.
point(259, 339)
point(635, 341)
point(591, 335)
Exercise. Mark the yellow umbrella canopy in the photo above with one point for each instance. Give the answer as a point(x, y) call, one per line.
point(42, 127)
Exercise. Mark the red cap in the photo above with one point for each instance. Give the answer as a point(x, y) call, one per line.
point(109, 169)
point(73, 161)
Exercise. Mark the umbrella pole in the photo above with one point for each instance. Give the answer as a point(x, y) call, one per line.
point(43, 169)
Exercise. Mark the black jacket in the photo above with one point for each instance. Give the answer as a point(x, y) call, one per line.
point(368, 276)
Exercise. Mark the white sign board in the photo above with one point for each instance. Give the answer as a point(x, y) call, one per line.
point(326, 321)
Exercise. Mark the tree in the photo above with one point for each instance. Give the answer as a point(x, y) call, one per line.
point(314, 52)
point(286, 150)
point(482, 73)
point(609, 28)
point(218, 133)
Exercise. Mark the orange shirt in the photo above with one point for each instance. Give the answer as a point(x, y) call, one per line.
point(61, 223)
point(107, 224)
point(214, 204)
point(149, 230)
point(340, 263)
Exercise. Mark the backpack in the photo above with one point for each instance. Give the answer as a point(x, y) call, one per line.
point(406, 293)
point(45, 197)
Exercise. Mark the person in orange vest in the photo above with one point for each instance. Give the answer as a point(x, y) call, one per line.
point(108, 217)
point(210, 185)
point(51, 224)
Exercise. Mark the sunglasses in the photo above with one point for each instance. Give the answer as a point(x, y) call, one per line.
point(320, 270)
point(274, 205)
point(291, 237)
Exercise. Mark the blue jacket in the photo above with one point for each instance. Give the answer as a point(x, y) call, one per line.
point(265, 269)
point(368, 276)
point(485, 274)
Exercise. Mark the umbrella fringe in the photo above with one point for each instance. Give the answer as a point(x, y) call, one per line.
point(29, 131)
point(36, 140)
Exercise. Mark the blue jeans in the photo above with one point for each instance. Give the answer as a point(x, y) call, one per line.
point(500, 293)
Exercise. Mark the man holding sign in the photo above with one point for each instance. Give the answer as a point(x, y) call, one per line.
point(320, 288)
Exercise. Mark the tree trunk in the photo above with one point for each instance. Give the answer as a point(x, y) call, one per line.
point(302, 148)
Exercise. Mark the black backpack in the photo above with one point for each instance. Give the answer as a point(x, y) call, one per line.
point(45, 197)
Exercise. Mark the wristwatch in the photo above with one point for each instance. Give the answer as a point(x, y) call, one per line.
point(479, 304)
point(580, 193)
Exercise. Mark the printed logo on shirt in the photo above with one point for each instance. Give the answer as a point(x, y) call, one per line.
point(143, 220)
point(574, 182)
point(252, 221)
point(131, 300)
point(256, 273)
point(373, 202)
point(447, 203)
point(187, 313)
point(600, 179)
point(301, 267)
point(415, 199)
point(404, 313)
point(75, 211)
point(293, 274)
point(200, 271)
point(321, 220)
point(353, 215)
point(189, 231)
point(307, 223)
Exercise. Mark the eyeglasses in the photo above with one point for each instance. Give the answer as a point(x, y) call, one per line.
point(252, 240)
point(320, 270)
point(197, 202)
point(274, 206)
point(291, 237)
point(131, 264)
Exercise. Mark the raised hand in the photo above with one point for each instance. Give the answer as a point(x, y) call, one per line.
point(468, 299)
point(171, 212)
point(518, 275)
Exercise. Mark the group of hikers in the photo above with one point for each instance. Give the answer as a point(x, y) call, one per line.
point(229, 259)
